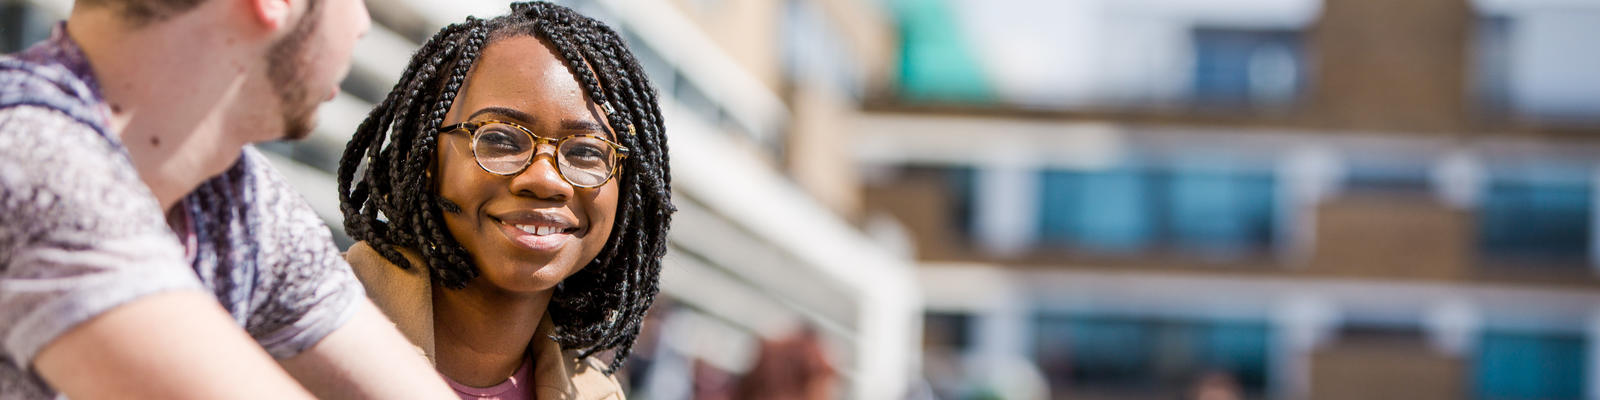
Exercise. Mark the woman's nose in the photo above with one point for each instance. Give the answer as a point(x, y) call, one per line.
point(542, 179)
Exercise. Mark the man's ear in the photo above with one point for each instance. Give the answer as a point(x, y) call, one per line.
point(271, 14)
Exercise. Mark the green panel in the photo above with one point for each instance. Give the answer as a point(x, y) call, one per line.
point(936, 63)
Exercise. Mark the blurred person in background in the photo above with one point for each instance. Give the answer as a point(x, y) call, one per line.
point(793, 367)
point(1215, 385)
point(514, 202)
point(133, 204)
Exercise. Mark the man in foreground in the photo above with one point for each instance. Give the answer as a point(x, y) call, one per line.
point(132, 205)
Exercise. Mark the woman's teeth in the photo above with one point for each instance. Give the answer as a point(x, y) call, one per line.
point(539, 230)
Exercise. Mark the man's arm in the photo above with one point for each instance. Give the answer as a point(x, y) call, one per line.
point(96, 296)
point(174, 345)
point(367, 359)
point(310, 312)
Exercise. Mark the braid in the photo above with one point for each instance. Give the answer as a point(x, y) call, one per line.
point(396, 182)
point(395, 203)
point(617, 66)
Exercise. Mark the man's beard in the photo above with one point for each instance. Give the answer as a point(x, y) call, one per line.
point(286, 68)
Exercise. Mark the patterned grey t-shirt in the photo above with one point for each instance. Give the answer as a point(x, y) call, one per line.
point(80, 234)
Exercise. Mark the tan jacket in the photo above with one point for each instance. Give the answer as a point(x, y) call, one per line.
point(406, 297)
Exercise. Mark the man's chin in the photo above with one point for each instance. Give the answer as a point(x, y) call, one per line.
point(296, 128)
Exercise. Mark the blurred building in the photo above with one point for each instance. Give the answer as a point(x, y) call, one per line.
point(1100, 199)
point(760, 251)
point(1341, 199)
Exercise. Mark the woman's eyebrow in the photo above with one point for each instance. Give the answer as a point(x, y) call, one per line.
point(505, 112)
point(566, 124)
point(577, 125)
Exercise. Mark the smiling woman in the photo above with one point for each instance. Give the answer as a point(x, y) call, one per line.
point(514, 203)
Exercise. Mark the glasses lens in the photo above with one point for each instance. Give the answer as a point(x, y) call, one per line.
point(501, 148)
point(586, 161)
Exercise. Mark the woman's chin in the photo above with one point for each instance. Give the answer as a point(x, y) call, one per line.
point(528, 279)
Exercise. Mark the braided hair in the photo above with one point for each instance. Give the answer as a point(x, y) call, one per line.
point(393, 202)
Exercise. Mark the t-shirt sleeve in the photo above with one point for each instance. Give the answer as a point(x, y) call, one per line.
point(80, 234)
point(306, 289)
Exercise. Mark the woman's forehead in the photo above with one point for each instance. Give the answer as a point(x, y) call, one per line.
point(522, 66)
point(522, 73)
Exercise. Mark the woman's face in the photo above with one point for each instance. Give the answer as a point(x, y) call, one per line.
point(519, 79)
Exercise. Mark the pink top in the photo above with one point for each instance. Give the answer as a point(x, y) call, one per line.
point(518, 387)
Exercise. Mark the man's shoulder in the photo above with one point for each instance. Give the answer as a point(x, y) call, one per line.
point(50, 118)
point(39, 75)
point(39, 83)
point(59, 172)
point(257, 192)
point(251, 207)
point(81, 233)
point(253, 224)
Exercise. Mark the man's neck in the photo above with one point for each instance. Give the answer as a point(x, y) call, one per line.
point(168, 86)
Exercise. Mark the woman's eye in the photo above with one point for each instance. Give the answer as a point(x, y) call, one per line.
point(585, 151)
point(500, 143)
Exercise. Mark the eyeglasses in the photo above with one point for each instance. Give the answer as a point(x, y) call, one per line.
point(506, 148)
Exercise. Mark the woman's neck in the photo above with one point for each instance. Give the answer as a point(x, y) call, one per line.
point(481, 335)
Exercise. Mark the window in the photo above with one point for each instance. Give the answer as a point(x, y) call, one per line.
point(1524, 220)
point(1221, 212)
point(1245, 66)
point(1531, 366)
point(1492, 75)
point(1202, 211)
point(1533, 62)
point(947, 330)
point(1549, 67)
point(1389, 178)
point(963, 192)
point(1104, 211)
point(1129, 354)
point(814, 49)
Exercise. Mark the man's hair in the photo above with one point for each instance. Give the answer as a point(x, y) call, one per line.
point(394, 203)
point(140, 12)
